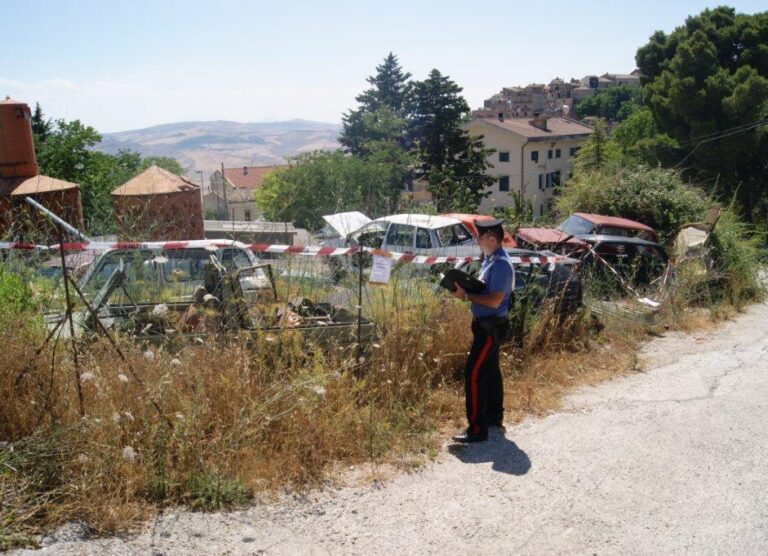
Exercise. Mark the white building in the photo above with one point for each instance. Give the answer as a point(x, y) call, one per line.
point(532, 157)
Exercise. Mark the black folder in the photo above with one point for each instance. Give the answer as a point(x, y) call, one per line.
point(455, 276)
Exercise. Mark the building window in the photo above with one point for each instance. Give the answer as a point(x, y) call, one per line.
point(535, 156)
point(541, 182)
point(541, 210)
point(503, 156)
point(503, 183)
point(557, 153)
point(574, 151)
point(549, 154)
point(247, 215)
point(553, 179)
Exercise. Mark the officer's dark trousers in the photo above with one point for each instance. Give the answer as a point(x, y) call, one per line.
point(482, 378)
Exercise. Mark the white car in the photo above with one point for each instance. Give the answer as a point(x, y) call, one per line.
point(421, 234)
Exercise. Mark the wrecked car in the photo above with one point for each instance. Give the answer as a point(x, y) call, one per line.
point(632, 247)
point(209, 287)
point(572, 234)
point(421, 234)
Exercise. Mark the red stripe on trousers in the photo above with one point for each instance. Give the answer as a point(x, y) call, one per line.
point(473, 379)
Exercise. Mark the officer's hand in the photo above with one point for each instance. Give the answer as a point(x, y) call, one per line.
point(459, 293)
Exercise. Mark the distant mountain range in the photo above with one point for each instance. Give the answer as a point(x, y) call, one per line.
point(205, 145)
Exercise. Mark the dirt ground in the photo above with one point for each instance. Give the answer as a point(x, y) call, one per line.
point(671, 459)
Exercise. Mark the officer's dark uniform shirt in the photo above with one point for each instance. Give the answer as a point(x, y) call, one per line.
point(498, 274)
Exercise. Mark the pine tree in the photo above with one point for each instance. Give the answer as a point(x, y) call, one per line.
point(385, 99)
point(40, 126)
point(451, 161)
point(706, 84)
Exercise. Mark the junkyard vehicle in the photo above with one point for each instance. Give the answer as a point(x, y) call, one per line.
point(636, 259)
point(421, 234)
point(573, 234)
point(632, 247)
point(209, 287)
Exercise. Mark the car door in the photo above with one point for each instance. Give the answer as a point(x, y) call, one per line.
point(400, 238)
point(425, 241)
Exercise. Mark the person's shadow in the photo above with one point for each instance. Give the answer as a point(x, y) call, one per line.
point(505, 455)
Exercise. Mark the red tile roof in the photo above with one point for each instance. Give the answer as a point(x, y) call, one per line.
point(249, 177)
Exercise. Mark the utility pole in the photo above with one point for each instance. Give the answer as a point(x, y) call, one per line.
point(224, 191)
point(202, 196)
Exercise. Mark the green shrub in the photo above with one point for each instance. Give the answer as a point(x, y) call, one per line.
point(211, 491)
point(654, 196)
point(15, 294)
point(736, 259)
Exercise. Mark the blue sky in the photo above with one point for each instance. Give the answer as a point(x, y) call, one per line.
point(121, 65)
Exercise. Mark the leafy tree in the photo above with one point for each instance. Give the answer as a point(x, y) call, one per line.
point(322, 182)
point(103, 174)
point(706, 85)
point(614, 104)
point(66, 150)
point(639, 140)
point(380, 107)
point(451, 161)
point(164, 162)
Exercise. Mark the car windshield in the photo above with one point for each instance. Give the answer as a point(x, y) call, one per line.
point(576, 225)
point(157, 277)
point(455, 234)
point(370, 235)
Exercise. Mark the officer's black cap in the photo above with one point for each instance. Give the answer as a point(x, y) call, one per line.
point(484, 226)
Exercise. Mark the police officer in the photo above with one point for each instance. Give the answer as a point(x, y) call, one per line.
point(490, 327)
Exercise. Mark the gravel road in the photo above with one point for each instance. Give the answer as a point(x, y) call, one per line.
point(673, 459)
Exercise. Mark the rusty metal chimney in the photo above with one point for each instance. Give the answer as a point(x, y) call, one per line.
point(17, 149)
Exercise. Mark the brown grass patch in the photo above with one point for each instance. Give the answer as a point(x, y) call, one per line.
point(252, 415)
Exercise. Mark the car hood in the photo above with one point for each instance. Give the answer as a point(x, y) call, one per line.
point(544, 236)
point(346, 222)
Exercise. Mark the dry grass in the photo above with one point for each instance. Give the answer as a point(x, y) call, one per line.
point(211, 425)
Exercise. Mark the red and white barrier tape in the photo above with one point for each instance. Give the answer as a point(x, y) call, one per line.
point(266, 248)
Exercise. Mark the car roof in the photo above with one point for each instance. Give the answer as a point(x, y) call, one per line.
point(211, 244)
point(602, 220)
point(429, 221)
